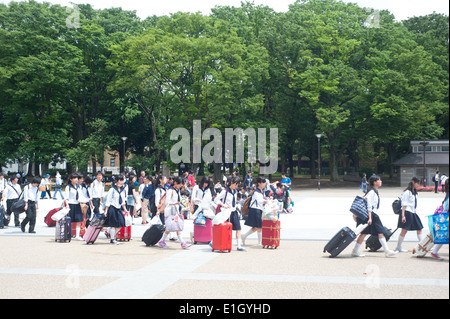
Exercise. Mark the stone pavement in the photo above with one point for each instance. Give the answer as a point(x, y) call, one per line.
point(34, 266)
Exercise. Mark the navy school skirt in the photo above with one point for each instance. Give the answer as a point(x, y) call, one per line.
point(76, 216)
point(114, 218)
point(235, 221)
point(254, 218)
point(413, 221)
point(374, 229)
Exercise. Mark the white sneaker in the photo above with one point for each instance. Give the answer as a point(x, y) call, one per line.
point(401, 250)
point(79, 238)
point(357, 253)
point(390, 253)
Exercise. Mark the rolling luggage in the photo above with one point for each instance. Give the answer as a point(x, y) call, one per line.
point(153, 235)
point(203, 233)
point(48, 218)
point(271, 234)
point(82, 228)
point(373, 244)
point(222, 237)
point(63, 231)
point(124, 234)
point(342, 239)
point(93, 230)
point(424, 246)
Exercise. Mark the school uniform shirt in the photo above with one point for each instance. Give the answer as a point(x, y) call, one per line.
point(228, 197)
point(172, 197)
point(2, 185)
point(373, 201)
point(116, 197)
point(198, 194)
point(12, 191)
point(159, 193)
point(97, 189)
point(85, 193)
point(72, 194)
point(30, 193)
point(410, 201)
point(257, 200)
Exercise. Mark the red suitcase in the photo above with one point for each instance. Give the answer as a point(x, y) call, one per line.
point(222, 237)
point(82, 228)
point(124, 234)
point(271, 234)
point(48, 219)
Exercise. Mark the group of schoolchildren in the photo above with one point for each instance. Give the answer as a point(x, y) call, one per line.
point(408, 219)
point(85, 197)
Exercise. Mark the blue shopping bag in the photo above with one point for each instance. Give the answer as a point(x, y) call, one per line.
point(359, 208)
point(438, 225)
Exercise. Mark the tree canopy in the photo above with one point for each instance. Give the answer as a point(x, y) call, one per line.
point(68, 92)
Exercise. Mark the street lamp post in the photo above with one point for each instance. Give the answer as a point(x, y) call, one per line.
point(424, 144)
point(124, 138)
point(318, 159)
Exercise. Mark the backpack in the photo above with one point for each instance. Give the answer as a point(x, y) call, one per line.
point(245, 206)
point(434, 178)
point(397, 206)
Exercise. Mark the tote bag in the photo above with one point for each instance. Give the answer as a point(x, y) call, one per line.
point(438, 225)
point(359, 208)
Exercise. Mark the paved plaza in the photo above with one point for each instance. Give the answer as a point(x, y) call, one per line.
point(34, 266)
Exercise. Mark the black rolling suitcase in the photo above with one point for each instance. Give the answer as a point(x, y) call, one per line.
point(152, 235)
point(342, 239)
point(373, 244)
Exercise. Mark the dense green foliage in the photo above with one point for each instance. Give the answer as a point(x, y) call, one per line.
point(68, 93)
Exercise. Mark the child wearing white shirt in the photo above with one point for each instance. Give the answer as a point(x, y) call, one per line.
point(408, 219)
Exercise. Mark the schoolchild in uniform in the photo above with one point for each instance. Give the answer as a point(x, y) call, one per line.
point(160, 191)
point(12, 193)
point(375, 226)
point(408, 219)
point(115, 204)
point(31, 197)
point(199, 191)
point(173, 199)
point(228, 199)
point(72, 196)
point(255, 211)
point(97, 191)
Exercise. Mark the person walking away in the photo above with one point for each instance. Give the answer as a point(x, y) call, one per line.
point(256, 208)
point(115, 203)
point(172, 200)
point(72, 195)
point(11, 194)
point(408, 219)
point(31, 197)
point(375, 226)
point(58, 186)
